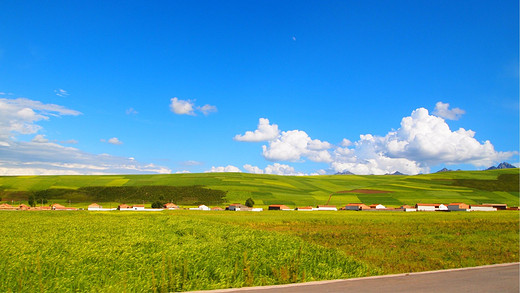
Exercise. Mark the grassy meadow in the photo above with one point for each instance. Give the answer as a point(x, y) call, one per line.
point(192, 250)
point(471, 187)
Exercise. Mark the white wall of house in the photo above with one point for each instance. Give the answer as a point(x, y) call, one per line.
point(482, 209)
point(325, 209)
point(380, 207)
point(426, 208)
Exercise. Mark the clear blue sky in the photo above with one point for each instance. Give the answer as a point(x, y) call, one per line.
point(175, 86)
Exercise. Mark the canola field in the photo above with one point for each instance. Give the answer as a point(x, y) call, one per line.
point(51, 251)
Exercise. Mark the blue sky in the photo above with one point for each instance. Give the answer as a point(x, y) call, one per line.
point(370, 87)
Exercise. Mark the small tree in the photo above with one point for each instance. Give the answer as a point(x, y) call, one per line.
point(157, 205)
point(32, 201)
point(250, 202)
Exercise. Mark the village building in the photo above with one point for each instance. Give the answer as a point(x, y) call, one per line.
point(458, 207)
point(124, 207)
point(442, 207)
point(238, 207)
point(356, 207)
point(326, 208)
point(59, 207)
point(377, 206)
point(305, 209)
point(201, 208)
point(217, 209)
point(407, 208)
point(6, 206)
point(498, 206)
point(426, 207)
point(97, 207)
point(482, 208)
point(279, 207)
point(171, 206)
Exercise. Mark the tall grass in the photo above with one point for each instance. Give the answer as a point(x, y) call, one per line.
point(115, 252)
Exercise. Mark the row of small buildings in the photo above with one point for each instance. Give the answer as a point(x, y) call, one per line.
point(419, 207)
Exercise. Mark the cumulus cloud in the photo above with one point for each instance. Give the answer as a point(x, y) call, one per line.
point(295, 144)
point(264, 132)
point(114, 140)
point(227, 168)
point(442, 110)
point(43, 157)
point(275, 169)
point(423, 140)
point(188, 107)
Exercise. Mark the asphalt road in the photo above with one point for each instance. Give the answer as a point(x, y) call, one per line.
point(493, 278)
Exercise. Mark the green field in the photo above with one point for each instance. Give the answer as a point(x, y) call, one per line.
point(471, 187)
point(191, 250)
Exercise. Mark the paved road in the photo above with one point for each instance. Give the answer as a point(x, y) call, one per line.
point(494, 278)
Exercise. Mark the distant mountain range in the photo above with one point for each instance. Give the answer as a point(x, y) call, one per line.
point(345, 173)
point(503, 165)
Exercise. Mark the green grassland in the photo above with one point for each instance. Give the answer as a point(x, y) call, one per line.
point(194, 250)
point(471, 187)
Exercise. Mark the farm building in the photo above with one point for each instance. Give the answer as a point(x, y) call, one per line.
point(59, 207)
point(217, 209)
point(124, 207)
point(482, 208)
point(426, 207)
point(326, 208)
point(96, 207)
point(377, 206)
point(442, 207)
point(23, 207)
point(356, 207)
point(201, 208)
point(171, 206)
point(498, 206)
point(458, 207)
point(139, 207)
point(5, 206)
point(279, 207)
point(408, 208)
point(238, 207)
point(305, 209)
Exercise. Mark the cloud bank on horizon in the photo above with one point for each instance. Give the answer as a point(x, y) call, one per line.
point(422, 140)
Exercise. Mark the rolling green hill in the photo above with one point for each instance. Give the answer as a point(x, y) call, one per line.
point(472, 187)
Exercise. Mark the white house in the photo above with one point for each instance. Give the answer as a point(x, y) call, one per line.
point(377, 206)
point(201, 208)
point(441, 207)
point(326, 208)
point(426, 207)
point(257, 209)
point(96, 207)
point(138, 207)
point(482, 208)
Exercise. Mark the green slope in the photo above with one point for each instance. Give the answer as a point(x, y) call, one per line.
point(472, 187)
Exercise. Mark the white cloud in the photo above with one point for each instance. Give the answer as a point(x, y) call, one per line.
point(131, 111)
point(187, 107)
point(182, 172)
point(206, 109)
point(61, 92)
point(19, 116)
point(115, 140)
point(228, 168)
point(40, 138)
point(423, 140)
point(190, 163)
point(295, 144)
point(264, 132)
point(442, 110)
point(253, 169)
point(42, 157)
point(275, 169)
